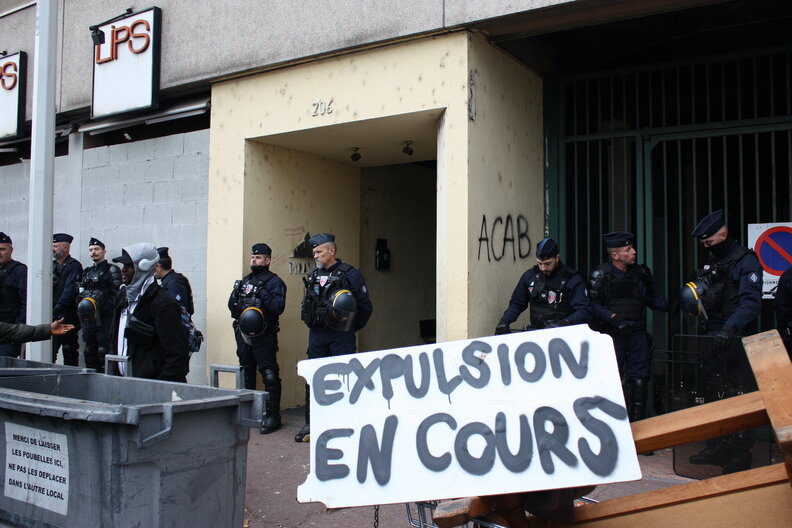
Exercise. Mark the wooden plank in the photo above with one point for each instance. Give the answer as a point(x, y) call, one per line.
point(457, 512)
point(773, 372)
point(699, 422)
point(691, 491)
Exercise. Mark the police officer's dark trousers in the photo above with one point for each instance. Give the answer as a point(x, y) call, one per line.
point(71, 348)
point(633, 358)
point(262, 356)
point(324, 342)
point(97, 341)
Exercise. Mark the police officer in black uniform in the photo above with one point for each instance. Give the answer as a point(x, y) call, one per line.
point(556, 293)
point(729, 286)
point(65, 281)
point(620, 292)
point(335, 306)
point(176, 284)
point(255, 304)
point(783, 305)
point(95, 303)
point(13, 292)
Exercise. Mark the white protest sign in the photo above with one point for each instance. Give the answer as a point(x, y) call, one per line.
point(502, 414)
point(37, 467)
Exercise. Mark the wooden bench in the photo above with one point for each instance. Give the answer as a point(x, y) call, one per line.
point(755, 497)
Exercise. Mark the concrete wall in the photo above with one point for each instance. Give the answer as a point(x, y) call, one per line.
point(506, 181)
point(209, 40)
point(153, 191)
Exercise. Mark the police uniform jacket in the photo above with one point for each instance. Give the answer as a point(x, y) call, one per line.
point(179, 288)
point(357, 285)
point(641, 293)
point(65, 281)
point(21, 333)
point(270, 297)
point(562, 296)
point(736, 274)
point(166, 356)
point(108, 281)
point(783, 303)
point(13, 292)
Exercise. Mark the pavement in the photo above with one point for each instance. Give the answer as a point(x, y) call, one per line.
point(277, 465)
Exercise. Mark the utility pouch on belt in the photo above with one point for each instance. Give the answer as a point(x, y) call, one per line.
point(138, 332)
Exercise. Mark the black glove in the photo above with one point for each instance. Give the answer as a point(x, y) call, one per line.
point(502, 328)
point(722, 341)
point(619, 325)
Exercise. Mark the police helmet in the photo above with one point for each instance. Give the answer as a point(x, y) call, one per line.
point(690, 298)
point(251, 323)
point(342, 311)
point(88, 312)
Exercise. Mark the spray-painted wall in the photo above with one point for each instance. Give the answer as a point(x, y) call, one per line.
point(506, 181)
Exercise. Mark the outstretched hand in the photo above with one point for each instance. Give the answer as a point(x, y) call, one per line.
point(59, 327)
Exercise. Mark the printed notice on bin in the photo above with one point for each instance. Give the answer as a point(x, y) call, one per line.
point(37, 467)
point(502, 414)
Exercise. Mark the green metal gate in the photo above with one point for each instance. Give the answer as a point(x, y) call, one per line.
point(654, 149)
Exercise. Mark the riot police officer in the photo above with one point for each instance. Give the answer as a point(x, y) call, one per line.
point(95, 303)
point(620, 292)
point(729, 286)
point(176, 284)
point(13, 292)
point(335, 306)
point(783, 305)
point(255, 303)
point(556, 293)
point(65, 281)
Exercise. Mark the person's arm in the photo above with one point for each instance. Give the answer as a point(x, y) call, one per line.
point(273, 296)
point(518, 302)
point(659, 304)
point(364, 305)
point(599, 310)
point(748, 274)
point(21, 333)
point(578, 301)
point(70, 289)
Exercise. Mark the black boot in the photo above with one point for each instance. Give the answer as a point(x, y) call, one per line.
point(305, 433)
point(739, 453)
point(272, 384)
point(715, 453)
point(638, 389)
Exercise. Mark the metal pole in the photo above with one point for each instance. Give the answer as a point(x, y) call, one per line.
point(42, 167)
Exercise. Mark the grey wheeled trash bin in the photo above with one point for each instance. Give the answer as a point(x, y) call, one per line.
point(10, 366)
point(95, 450)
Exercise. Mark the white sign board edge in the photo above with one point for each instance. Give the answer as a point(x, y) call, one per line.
point(337, 429)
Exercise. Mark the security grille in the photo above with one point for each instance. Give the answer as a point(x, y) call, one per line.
point(652, 150)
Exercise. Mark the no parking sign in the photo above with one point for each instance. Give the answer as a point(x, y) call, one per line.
point(773, 245)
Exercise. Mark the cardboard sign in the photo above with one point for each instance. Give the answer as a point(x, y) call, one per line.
point(501, 414)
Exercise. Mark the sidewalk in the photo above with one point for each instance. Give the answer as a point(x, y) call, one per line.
point(277, 465)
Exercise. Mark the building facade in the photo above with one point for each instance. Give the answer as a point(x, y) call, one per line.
point(480, 128)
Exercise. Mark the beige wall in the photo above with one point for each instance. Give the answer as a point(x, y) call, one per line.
point(399, 79)
point(506, 180)
point(261, 192)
